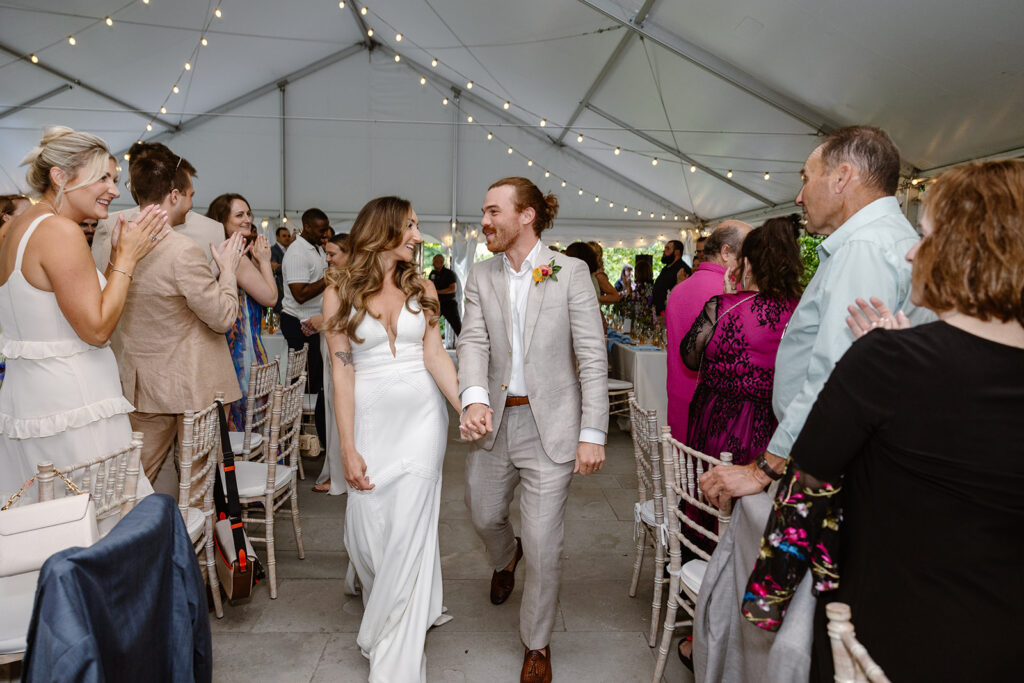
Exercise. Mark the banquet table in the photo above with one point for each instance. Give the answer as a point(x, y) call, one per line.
point(645, 368)
point(276, 345)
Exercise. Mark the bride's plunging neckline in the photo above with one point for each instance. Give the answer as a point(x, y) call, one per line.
point(392, 341)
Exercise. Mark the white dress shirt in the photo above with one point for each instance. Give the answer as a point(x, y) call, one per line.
point(519, 282)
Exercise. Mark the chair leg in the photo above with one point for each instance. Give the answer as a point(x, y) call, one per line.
point(638, 559)
point(669, 629)
point(302, 471)
point(659, 585)
point(296, 524)
point(212, 578)
point(268, 512)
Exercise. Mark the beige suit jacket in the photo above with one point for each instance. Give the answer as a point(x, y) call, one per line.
point(170, 345)
point(201, 229)
point(565, 360)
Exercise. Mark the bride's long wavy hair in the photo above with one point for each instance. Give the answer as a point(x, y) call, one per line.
point(378, 228)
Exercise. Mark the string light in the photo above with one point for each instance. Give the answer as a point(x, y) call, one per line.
point(547, 174)
point(693, 168)
point(579, 138)
point(369, 33)
point(127, 156)
point(490, 135)
point(145, 2)
point(72, 41)
point(453, 225)
point(163, 110)
point(363, 10)
point(175, 89)
point(469, 118)
point(469, 85)
point(581, 192)
point(662, 216)
point(398, 58)
point(652, 214)
point(507, 104)
point(444, 102)
point(767, 175)
point(639, 212)
point(611, 205)
point(109, 21)
point(341, 5)
point(423, 80)
point(149, 126)
point(596, 199)
point(204, 42)
point(675, 218)
point(618, 151)
point(510, 150)
point(543, 122)
point(284, 219)
point(563, 183)
point(217, 13)
point(625, 209)
point(728, 174)
point(529, 162)
point(188, 66)
point(654, 161)
point(35, 60)
point(398, 37)
point(915, 181)
point(433, 62)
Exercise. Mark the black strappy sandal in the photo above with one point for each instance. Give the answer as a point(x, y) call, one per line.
point(687, 661)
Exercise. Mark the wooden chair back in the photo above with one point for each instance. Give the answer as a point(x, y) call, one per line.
point(200, 454)
point(851, 660)
point(262, 380)
point(644, 428)
point(296, 363)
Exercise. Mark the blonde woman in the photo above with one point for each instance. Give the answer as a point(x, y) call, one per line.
point(61, 400)
point(391, 376)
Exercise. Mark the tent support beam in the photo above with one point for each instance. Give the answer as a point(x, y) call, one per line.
point(641, 15)
point(717, 66)
point(265, 89)
point(676, 153)
point(36, 100)
point(283, 85)
point(368, 42)
point(494, 110)
point(95, 91)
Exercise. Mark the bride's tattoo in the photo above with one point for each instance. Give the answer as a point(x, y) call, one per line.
point(345, 356)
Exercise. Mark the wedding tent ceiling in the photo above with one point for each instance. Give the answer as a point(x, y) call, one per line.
point(656, 114)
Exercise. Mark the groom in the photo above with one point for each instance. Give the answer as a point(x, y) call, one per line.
point(533, 372)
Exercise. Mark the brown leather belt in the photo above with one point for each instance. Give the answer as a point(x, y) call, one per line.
point(512, 401)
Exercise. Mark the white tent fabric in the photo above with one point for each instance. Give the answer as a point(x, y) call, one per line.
point(294, 105)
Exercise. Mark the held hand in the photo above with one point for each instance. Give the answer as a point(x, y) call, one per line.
point(875, 314)
point(261, 249)
point(724, 482)
point(589, 458)
point(476, 421)
point(137, 238)
point(230, 253)
point(355, 471)
point(311, 325)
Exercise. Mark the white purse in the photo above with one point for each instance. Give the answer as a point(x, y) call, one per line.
point(29, 535)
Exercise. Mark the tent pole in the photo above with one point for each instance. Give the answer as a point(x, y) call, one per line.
point(456, 113)
point(284, 150)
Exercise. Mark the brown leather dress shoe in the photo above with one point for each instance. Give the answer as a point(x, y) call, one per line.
point(502, 582)
point(536, 666)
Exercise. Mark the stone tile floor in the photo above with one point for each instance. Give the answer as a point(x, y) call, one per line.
point(308, 633)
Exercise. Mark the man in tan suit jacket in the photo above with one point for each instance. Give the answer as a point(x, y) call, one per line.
point(170, 346)
point(532, 354)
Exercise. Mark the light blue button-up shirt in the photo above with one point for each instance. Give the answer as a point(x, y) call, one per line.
point(865, 257)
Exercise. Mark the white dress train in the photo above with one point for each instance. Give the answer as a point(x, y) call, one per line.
point(401, 426)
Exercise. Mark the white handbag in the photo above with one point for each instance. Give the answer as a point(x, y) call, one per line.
point(29, 535)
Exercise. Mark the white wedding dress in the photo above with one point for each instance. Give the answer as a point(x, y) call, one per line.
point(401, 427)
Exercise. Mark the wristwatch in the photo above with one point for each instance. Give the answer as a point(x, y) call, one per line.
point(767, 469)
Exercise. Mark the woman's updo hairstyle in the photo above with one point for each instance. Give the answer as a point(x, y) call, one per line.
point(70, 151)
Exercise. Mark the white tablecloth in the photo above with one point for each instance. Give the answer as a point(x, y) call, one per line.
point(276, 345)
point(646, 369)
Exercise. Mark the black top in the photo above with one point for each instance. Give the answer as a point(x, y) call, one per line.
point(664, 283)
point(443, 278)
point(927, 425)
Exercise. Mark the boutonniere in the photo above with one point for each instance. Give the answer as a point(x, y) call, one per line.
point(542, 273)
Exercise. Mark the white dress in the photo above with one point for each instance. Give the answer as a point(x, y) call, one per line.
point(61, 400)
point(401, 426)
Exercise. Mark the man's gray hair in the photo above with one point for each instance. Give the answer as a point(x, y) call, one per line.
point(870, 150)
point(727, 233)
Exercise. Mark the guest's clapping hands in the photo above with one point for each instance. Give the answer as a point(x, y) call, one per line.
point(131, 241)
point(875, 314)
point(355, 470)
point(230, 253)
point(260, 249)
point(475, 421)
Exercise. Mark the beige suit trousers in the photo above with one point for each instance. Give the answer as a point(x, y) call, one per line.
point(159, 431)
point(491, 479)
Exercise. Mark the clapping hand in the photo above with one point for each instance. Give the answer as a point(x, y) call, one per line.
point(875, 314)
point(230, 253)
point(131, 241)
point(260, 249)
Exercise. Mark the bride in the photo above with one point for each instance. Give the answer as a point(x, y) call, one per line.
point(388, 366)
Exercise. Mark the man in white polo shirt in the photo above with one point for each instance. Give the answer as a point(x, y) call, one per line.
point(303, 274)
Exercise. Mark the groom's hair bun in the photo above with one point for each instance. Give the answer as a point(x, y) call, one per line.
point(528, 195)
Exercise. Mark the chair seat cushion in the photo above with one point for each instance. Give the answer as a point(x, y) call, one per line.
point(252, 478)
point(647, 512)
point(619, 385)
point(238, 438)
point(692, 574)
point(17, 595)
point(194, 523)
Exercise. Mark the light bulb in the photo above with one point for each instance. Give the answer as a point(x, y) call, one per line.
point(204, 42)
point(490, 135)
point(217, 13)
point(581, 192)
point(543, 122)
point(469, 85)
point(188, 66)
point(35, 60)
point(398, 58)
point(625, 209)
point(728, 174)
point(579, 138)
point(639, 212)
point(914, 182)
point(264, 223)
point(71, 40)
point(510, 150)
point(423, 80)
point(369, 32)
point(529, 162)
point(363, 10)
point(662, 216)
point(652, 214)
point(563, 183)
point(127, 156)
point(654, 161)
point(149, 126)
point(163, 110)
point(507, 104)
point(596, 199)
point(109, 21)
point(175, 89)
point(675, 218)
point(767, 175)
point(444, 102)
point(453, 225)
point(693, 168)
point(469, 118)
point(686, 217)
point(341, 5)
point(618, 151)
point(398, 37)
point(145, 2)
point(547, 174)
point(611, 205)
point(284, 219)
point(433, 62)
